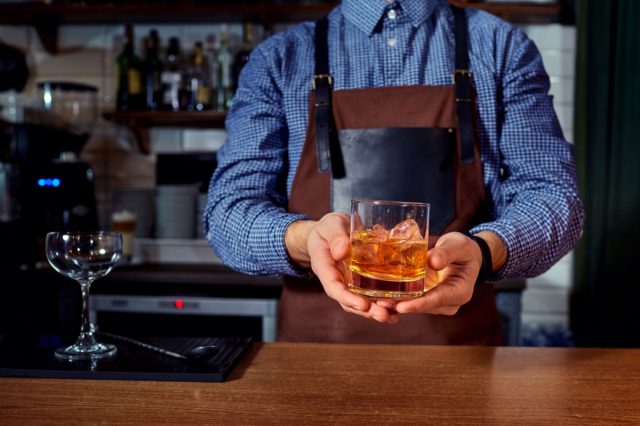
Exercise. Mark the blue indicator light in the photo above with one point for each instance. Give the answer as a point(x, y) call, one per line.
point(49, 182)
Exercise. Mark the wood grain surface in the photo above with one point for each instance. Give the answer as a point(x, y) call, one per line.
point(357, 384)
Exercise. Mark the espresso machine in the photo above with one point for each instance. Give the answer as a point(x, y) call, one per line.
point(44, 186)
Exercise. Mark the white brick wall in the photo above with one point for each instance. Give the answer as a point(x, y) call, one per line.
point(557, 45)
point(547, 296)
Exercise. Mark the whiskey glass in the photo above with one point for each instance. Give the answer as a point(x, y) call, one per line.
point(389, 243)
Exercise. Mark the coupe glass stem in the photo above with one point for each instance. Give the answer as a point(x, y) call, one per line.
point(86, 337)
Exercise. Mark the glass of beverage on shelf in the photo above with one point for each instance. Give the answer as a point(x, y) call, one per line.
point(389, 242)
point(84, 257)
point(124, 222)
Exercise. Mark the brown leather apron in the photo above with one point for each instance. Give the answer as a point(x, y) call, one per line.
point(381, 143)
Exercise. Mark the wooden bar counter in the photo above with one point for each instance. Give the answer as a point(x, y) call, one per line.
point(357, 384)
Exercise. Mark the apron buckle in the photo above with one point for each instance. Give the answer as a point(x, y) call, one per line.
point(461, 73)
point(462, 86)
point(318, 77)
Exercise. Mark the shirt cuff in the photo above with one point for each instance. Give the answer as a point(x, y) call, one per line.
point(509, 239)
point(280, 260)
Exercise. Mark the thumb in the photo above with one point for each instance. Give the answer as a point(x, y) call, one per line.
point(340, 248)
point(443, 253)
point(437, 259)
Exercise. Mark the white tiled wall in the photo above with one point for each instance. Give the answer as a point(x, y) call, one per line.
point(557, 45)
point(547, 296)
point(87, 54)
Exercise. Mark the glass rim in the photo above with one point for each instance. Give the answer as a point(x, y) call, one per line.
point(86, 233)
point(390, 202)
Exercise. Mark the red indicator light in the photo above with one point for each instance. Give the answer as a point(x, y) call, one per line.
point(178, 304)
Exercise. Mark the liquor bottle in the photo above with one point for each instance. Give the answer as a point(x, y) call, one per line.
point(129, 94)
point(242, 56)
point(211, 53)
point(152, 71)
point(171, 76)
point(224, 82)
point(198, 81)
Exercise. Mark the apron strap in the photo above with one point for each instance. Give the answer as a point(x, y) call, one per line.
point(322, 83)
point(462, 80)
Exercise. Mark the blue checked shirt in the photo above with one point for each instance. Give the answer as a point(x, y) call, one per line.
point(529, 171)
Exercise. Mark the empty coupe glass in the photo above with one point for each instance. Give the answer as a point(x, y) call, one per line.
point(84, 257)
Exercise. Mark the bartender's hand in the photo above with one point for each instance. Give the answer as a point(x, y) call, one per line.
point(453, 266)
point(324, 246)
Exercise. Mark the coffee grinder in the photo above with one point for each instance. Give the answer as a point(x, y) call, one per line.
point(51, 189)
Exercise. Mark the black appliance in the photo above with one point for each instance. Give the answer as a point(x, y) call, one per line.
point(43, 185)
point(187, 168)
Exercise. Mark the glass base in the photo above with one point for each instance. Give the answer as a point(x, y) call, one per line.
point(78, 352)
point(385, 294)
point(382, 289)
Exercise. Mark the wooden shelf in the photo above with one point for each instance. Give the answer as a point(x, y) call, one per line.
point(202, 119)
point(46, 18)
point(159, 12)
point(141, 121)
point(187, 11)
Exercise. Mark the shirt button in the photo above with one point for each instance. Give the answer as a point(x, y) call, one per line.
point(392, 42)
point(392, 14)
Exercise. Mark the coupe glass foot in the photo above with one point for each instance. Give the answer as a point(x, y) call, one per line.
point(77, 352)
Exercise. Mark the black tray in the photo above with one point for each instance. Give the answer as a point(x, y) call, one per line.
point(129, 363)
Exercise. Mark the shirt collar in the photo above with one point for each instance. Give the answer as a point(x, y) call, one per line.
point(365, 14)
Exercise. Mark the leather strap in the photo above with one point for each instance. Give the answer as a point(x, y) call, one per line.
point(464, 90)
point(322, 83)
